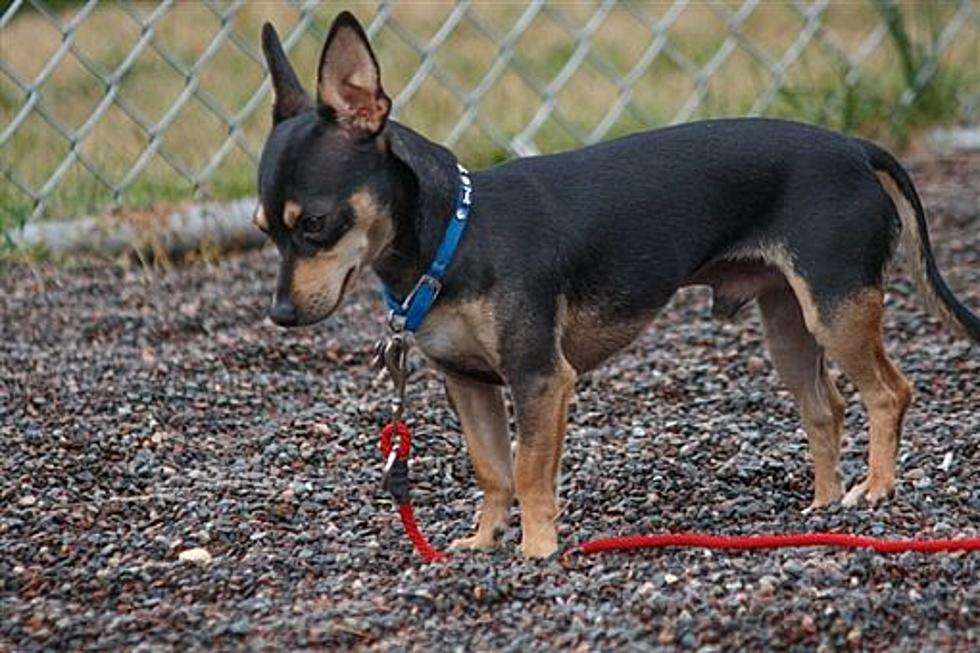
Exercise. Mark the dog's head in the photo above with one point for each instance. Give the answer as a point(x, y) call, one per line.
point(325, 178)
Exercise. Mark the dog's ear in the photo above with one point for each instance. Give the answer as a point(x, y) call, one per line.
point(288, 96)
point(349, 81)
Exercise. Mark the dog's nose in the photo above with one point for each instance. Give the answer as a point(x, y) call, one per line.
point(283, 313)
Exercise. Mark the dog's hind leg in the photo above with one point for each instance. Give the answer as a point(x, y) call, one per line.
point(800, 362)
point(481, 412)
point(852, 336)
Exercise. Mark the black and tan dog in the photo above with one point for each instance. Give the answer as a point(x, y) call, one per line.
point(568, 257)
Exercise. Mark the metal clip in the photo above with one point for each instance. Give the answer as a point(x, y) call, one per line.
point(396, 322)
point(378, 360)
point(391, 356)
point(392, 457)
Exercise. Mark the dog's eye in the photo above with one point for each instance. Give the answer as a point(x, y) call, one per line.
point(325, 230)
point(313, 224)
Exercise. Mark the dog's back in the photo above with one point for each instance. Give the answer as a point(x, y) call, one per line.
point(633, 219)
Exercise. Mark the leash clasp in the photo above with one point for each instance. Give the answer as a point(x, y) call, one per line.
point(392, 457)
point(392, 356)
point(396, 322)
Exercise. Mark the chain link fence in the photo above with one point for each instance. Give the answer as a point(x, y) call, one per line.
point(128, 104)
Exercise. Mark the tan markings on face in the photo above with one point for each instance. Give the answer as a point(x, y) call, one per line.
point(260, 220)
point(318, 281)
point(312, 276)
point(374, 219)
point(587, 338)
point(291, 213)
point(462, 334)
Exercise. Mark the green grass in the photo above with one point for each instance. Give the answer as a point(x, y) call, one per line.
point(816, 87)
point(870, 105)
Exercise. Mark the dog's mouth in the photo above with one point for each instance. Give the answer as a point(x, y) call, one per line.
point(343, 287)
point(313, 319)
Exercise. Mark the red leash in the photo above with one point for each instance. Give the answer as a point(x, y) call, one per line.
point(843, 540)
point(396, 481)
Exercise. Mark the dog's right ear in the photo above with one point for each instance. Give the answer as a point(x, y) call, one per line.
point(288, 96)
point(349, 80)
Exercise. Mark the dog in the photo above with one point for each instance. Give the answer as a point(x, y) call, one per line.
point(568, 257)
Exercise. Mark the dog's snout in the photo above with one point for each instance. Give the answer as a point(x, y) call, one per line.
point(283, 313)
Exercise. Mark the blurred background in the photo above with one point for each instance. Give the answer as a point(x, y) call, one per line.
point(137, 104)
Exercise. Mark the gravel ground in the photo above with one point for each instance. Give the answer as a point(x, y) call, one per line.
point(145, 413)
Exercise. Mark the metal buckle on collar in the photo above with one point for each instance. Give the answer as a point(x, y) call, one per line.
point(398, 318)
point(409, 313)
point(432, 282)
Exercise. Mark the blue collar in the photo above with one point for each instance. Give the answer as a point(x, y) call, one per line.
point(408, 314)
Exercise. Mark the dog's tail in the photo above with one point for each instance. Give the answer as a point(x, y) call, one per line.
point(896, 182)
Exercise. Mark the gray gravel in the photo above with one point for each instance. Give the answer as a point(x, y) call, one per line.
point(145, 413)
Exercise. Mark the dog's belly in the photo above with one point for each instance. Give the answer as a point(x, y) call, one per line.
point(461, 338)
point(588, 338)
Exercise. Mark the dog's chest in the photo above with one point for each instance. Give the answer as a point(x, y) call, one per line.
point(461, 337)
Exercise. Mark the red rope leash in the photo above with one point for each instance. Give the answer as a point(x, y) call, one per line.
point(404, 439)
point(844, 540)
point(396, 481)
point(426, 550)
point(392, 355)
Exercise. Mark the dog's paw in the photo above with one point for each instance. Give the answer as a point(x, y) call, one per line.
point(476, 542)
point(813, 507)
point(539, 548)
point(872, 492)
point(825, 500)
point(855, 494)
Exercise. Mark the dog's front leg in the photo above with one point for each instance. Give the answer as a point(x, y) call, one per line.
point(481, 412)
point(541, 405)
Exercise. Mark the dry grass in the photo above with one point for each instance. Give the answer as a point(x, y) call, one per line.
point(813, 86)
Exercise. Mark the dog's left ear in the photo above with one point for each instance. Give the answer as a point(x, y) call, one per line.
point(288, 96)
point(349, 81)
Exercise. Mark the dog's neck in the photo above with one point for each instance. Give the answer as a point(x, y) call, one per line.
point(424, 201)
